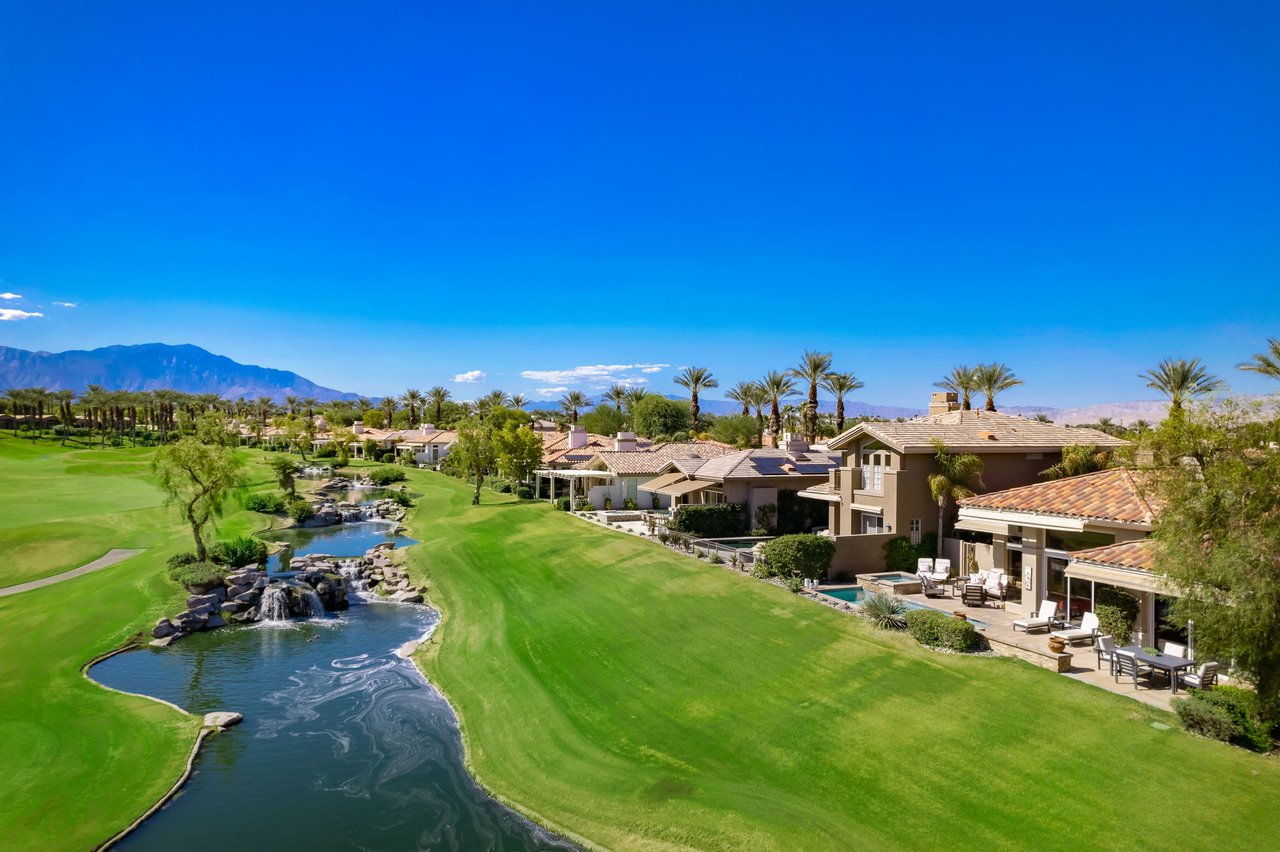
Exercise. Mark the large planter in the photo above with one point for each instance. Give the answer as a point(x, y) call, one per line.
point(1057, 644)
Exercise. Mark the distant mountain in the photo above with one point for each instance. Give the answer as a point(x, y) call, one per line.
point(154, 366)
point(1126, 413)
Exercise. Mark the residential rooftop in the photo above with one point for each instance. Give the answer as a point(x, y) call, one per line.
point(1116, 496)
point(974, 432)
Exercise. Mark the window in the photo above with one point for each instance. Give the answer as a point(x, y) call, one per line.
point(873, 467)
point(872, 524)
point(915, 530)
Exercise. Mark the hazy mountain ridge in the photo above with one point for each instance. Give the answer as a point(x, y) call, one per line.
point(154, 366)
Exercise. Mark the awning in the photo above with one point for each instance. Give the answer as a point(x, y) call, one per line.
point(679, 489)
point(982, 526)
point(820, 492)
point(661, 482)
point(864, 507)
point(1057, 523)
point(1125, 578)
point(574, 473)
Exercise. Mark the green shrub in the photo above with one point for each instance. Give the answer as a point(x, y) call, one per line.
point(757, 532)
point(939, 630)
point(800, 555)
point(400, 498)
point(267, 504)
point(387, 475)
point(197, 575)
point(562, 503)
point(177, 560)
point(719, 521)
point(388, 457)
point(900, 555)
point(524, 492)
point(239, 552)
point(630, 504)
point(1245, 710)
point(716, 558)
point(760, 571)
point(886, 611)
point(301, 511)
point(1114, 622)
point(795, 585)
point(327, 451)
point(1207, 720)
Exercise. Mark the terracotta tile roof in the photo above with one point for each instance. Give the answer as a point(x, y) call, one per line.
point(653, 459)
point(558, 452)
point(1136, 555)
point(1108, 495)
point(974, 432)
point(750, 464)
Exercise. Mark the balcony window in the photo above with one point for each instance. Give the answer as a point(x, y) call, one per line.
point(873, 467)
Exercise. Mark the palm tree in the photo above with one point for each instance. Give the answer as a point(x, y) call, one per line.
point(1141, 427)
point(813, 369)
point(1265, 363)
point(66, 416)
point(1078, 459)
point(309, 404)
point(756, 398)
point(1181, 380)
point(963, 382)
point(617, 394)
point(634, 395)
point(695, 380)
point(571, 402)
point(437, 397)
point(388, 406)
point(950, 482)
point(1042, 418)
point(741, 394)
point(777, 387)
point(995, 378)
point(412, 399)
point(518, 401)
point(840, 384)
point(292, 403)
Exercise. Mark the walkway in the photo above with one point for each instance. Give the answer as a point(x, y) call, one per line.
point(112, 556)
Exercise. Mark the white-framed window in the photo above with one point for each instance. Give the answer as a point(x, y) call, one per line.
point(872, 524)
point(915, 530)
point(873, 467)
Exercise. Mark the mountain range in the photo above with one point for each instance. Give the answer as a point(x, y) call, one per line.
point(153, 366)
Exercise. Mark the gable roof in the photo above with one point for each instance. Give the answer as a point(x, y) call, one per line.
point(751, 464)
point(1115, 495)
point(652, 459)
point(974, 432)
point(1135, 555)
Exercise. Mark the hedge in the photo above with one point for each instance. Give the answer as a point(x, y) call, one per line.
point(197, 575)
point(722, 520)
point(939, 630)
point(800, 555)
point(268, 504)
point(1226, 713)
point(387, 475)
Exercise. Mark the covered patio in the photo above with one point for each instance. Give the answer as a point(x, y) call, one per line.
point(577, 482)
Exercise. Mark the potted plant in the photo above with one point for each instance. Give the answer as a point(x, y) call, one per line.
point(1057, 644)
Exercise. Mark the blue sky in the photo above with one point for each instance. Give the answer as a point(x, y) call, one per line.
point(388, 195)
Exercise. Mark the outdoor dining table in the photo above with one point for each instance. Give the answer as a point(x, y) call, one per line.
point(1167, 663)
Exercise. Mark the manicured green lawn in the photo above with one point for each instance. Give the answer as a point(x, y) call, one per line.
point(633, 698)
point(78, 762)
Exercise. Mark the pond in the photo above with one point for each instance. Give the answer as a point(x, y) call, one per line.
point(344, 744)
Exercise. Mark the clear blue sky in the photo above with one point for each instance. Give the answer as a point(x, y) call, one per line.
point(384, 195)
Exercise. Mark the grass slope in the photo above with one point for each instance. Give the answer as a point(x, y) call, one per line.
point(80, 762)
point(634, 698)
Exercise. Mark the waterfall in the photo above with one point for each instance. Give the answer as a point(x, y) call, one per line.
point(275, 603)
point(356, 585)
point(310, 600)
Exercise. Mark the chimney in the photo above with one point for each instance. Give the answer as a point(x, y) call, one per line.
point(625, 442)
point(358, 427)
point(941, 402)
point(577, 437)
point(427, 428)
point(793, 443)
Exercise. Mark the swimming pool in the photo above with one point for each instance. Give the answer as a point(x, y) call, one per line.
point(856, 594)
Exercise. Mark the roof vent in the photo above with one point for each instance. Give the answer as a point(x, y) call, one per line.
point(987, 436)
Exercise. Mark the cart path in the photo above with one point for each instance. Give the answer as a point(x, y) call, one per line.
point(118, 554)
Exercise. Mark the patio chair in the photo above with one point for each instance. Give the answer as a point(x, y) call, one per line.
point(1087, 630)
point(1043, 619)
point(924, 567)
point(941, 570)
point(1173, 649)
point(995, 584)
point(1128, 665)
point(973, 595)
point(931, 588)
point(1106, 648)
point(1205, 678)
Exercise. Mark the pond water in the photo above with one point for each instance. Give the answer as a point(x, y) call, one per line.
point(337, 540)
point(344, 744)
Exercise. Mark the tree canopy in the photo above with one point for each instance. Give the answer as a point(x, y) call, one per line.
point(197, 477)
point(656, 415)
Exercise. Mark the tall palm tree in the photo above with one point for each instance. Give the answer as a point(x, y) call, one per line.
point(436, 398)
point(66, 415)
point(571, 402)
point(756, 397)
point(518, 401)
point(1265, 363)
point(309, 405)
point(813, 369)
point(950, 482)
point(617, 394)
point(388, 406)
point(634, 395)
point(741, 394)
point(696, 380)
point(292, 403)
point(1180, 381)
point(411, 400)
point(840, 384)
point(993, 379)
point(777, 387)
point(963, 382)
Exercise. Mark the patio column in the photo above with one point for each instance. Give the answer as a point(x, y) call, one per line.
point(1146, 625)
point(1034, 573)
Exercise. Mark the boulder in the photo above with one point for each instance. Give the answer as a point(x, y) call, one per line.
point(222, 719)
point(166, 641)
point(260, 583)
point(244, 616)
point(236, 591)
point(196, 601)
point(189, 621)
point(407, 596)
point(249, 598)
point(230, 607)
point(164, 627)
point(202, 609)
point(214, 622)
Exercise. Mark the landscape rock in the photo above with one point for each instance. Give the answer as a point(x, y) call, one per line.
point(249, 598)
point(201, 610)
point(164, 627)
point(407, 596)
point(196, 601)
point(222, 719)
point(214, 622)
point(230, 607)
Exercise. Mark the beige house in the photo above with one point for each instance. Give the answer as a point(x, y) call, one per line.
point(427, 445)
point(623, 471)
point(880, 490)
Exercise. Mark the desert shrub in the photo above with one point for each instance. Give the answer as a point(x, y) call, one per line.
point(177, 560)
point(1245, 711)
point(1207, 720)
point(800, 555)
point(387, 475)
point(761, 570)
point(267, 504)
point(326, 451)
point(524, 492)
point(716, 558)
point(939, 630)
point(795, 585)
point(400, 498)
point(239, 551)
point(719, 521)
point(1114, 622)
point(562, 503)
point(301, 511)
point(197, 575)
point(388, 457)
point(886, 611)
point(664, 536)
point(582, 504)
point(630, 504)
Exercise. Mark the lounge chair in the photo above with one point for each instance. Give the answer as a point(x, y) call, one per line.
point(931, 588)
point(974, 595)
point(1087, 630)
point(924, 567)
point(1205, 678)
point(1173, 649)
point(941, 570)
point(1043, 619)
point(1127, 664)
point(1106, 648)
point(995, 583)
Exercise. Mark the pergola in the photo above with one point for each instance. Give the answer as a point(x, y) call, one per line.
point(572, 477)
